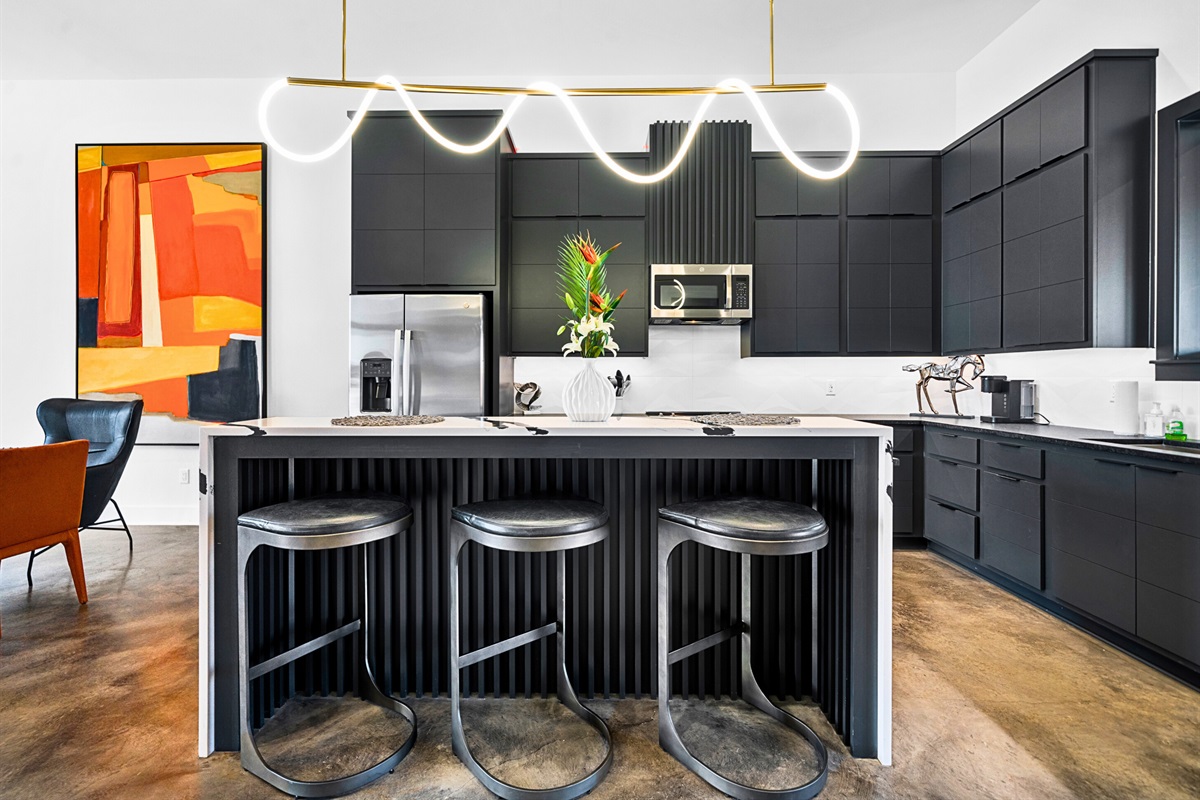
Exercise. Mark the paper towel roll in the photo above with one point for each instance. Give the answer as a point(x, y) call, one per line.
point(1125, 408)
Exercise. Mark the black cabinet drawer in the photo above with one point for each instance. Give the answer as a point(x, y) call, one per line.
point(903, 439)
point(1169, 621)
point(952, 445)
point(1014, 494)
point(775, 241)
point(1014, 458)
point(1092, 535)
point(1011, 559)
point(545, 187)
point(1169, 560)
point(388, 202)
point(952, 483)
point(904, 467)
point(1004, 523)
point(1093, 589)
point(1100, 483)
point(953, 528)
point(817, 241)
point(1169, 498)
point(1063, 191)
point(460, 202)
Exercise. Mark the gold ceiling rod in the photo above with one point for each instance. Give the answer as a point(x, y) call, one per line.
point(624, 91)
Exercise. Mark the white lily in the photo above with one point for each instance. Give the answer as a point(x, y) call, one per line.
point(611, 345)
point(593, 323)
point(572, 346)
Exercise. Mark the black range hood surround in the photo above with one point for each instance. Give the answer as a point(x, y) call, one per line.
point(701, 213)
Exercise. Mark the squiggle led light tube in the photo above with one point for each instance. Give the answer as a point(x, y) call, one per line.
point(549, 88)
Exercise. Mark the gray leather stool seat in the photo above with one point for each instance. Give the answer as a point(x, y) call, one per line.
point(527, 525)
point(748, 526)
point(319, 523)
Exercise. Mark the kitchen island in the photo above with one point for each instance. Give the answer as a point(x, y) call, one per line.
point(841, 656)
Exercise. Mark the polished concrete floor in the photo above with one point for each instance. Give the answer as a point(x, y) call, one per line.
point(993, 699)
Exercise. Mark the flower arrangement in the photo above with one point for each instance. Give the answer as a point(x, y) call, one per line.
point(582, 280)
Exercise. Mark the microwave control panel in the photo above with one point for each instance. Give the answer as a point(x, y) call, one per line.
point(741, 292)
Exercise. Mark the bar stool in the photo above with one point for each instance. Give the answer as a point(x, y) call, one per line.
point(748, 526)
point(524, 526)
point(323, 523)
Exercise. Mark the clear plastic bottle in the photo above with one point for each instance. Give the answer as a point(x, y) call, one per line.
point(1174, 430)
point(1152, 423)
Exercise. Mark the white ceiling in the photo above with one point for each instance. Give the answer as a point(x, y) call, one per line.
point(475, 39)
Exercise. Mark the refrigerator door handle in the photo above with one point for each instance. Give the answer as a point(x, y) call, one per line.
point(406, 374)
point(400, 371)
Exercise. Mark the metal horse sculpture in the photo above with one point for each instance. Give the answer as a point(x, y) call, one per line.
point(952, 372)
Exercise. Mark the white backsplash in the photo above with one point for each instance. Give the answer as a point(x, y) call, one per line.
point(700, 368)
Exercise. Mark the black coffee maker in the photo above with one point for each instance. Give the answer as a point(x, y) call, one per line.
point(376, 386)
point(1012, 401)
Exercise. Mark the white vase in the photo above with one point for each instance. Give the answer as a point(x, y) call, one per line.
point(588, 397)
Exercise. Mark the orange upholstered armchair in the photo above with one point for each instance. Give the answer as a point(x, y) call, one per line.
point(41, 494)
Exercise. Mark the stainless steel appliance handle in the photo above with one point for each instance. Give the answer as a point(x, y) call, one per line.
point(682, 294)
point(728, 291)
point(406, 374)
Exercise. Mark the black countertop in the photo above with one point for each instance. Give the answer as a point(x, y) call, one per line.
point(1063, 434)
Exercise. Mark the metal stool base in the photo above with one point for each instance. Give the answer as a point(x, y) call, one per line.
point(460, 534)
point(249, 539)
point(671, 535)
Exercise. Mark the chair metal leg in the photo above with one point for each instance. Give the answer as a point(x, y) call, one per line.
point(124, 524)
point(29, 569)
point(369, 690)
point(566, 693)
point(670, 537)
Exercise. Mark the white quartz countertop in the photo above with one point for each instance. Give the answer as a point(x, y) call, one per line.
point(548, 425)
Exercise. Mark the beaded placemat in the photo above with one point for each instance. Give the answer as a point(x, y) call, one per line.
point(385, 420)
point(746, 420)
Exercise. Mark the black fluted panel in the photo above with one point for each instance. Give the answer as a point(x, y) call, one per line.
point(611, 590)
point(701, 213)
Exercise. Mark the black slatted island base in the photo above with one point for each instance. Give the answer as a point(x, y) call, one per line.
point(634, 466)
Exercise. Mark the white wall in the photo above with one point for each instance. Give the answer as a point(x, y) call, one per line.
point(1055, 33)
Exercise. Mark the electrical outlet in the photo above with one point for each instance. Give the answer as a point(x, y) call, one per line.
point(185, 476)
point(830, 389)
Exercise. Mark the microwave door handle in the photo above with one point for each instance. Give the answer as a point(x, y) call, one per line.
point(728, 290)
point(682, 293)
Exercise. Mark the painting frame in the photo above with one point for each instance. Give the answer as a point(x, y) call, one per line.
point(158, 428)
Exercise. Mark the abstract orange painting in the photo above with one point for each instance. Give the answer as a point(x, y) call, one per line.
point(171, 280)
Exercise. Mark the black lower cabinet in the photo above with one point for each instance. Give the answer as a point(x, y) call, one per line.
point(1108, 541)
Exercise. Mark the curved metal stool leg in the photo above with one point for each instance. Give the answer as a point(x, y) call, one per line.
point(670, 538)
point(566, 693)
point(368, 690)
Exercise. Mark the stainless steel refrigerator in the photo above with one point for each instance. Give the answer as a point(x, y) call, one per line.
point(418, 354)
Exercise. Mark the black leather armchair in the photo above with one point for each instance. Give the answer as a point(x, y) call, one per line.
point(110, 429)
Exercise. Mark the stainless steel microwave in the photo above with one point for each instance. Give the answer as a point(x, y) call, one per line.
point(716, 294)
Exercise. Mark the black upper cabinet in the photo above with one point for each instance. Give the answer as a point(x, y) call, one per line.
point(868, 187)
point(817, 241)
point(815, 196)
point(1178, 343)
point(545, 187)
point(1022, 140)
point(1072, 214)
point(912, 185)
point(775, 192)
point(603, 193)
point(1064, 116)
point(555, 196)
point(956, 176)
point(388, 145)
point(985, 160)
point(881, 186)
point(421, 215)
point(464, 130)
